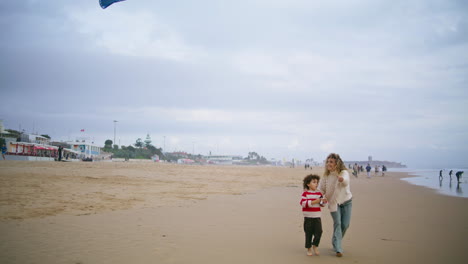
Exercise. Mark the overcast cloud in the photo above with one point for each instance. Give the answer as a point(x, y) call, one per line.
point(287, 79)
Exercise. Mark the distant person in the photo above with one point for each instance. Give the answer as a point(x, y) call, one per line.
point(459, 175)
point(376, 171)
point(440, 174)
point(335, 186)
point(60, 150)
point(355, 170)
point(450, 174)
point(312, 200)
point(368, 170)
point(384, 169)
point(4, 151)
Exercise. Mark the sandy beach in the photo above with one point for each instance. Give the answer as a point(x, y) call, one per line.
point(125, 212)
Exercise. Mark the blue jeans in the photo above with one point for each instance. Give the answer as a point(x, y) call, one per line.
point(341, 221)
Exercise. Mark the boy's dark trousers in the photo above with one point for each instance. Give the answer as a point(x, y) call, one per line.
point(312, 229)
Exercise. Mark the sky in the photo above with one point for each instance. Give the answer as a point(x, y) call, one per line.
point(284, 78)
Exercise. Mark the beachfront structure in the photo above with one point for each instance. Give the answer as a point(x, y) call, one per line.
point(276, 162)
point(32, 138)
point(178, 154)
point(223, 159)
point(185, 161)
point(30, 151)
point(155, 158)
point(36, 147)
point(3, 132)
point(85, 149)
point(38, 152)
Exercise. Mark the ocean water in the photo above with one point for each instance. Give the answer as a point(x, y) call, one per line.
point(430, 178)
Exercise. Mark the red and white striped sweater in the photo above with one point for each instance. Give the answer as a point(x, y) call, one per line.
point(308, 209)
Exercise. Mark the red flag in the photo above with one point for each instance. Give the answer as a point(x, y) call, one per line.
point(82, 130)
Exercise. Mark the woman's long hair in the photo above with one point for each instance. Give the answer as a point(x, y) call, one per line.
point(340, 166)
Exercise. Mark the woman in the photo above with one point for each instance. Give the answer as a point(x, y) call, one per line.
point(335, 187)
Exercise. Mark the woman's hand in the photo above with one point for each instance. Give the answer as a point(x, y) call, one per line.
point(340, 179)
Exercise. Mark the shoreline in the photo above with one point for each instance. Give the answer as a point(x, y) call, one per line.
point(446, 185)
point(254, 221)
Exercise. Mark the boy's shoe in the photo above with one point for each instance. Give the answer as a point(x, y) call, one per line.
point(339, 254)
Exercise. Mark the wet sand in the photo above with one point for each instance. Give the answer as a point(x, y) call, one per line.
point(54, 212)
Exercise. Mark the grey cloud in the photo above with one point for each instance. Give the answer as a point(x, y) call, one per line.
point(390, 75)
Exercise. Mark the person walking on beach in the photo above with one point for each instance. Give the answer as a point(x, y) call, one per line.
point(335, 186)
point(368, 170)
point(459, 175)
point(311, 202)
point(384, 169)
point(450, 174)
point(4, 151)
point(355, 170)
point(60, 150)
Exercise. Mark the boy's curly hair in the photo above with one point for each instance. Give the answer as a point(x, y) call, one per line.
point(308, 179)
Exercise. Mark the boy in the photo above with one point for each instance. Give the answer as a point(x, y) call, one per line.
point(311, 202)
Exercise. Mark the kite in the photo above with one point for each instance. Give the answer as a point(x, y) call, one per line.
point(105, 3)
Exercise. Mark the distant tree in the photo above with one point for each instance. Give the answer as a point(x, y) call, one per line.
point(46, 136)
point(108, 143)
point(151, 148)
point(136, 153)
point(148, 141)
point(14, 134)
point(139, 143)
point(131, 148)
point(116, 146)
point(253, 156)
point(156, 151)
